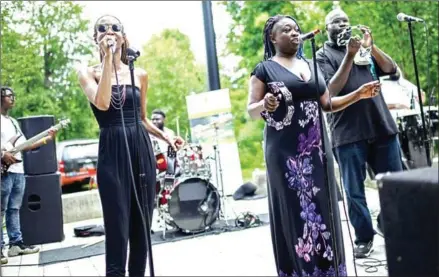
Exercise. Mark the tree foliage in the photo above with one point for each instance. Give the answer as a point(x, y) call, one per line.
point(245, 41)
point(38, 49)
point(392, 36)
point(173, 74)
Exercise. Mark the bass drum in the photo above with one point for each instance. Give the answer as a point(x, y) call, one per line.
point(194, 205)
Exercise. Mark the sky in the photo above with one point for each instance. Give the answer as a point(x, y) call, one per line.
point(142, 19)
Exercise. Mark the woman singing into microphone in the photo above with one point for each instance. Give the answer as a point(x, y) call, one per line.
point(282, 90)
point(109, 90)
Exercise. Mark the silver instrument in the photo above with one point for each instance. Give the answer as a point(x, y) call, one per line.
point(363, 56)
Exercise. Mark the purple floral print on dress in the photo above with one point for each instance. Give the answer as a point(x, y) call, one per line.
point(315, 237)
point(319, 273)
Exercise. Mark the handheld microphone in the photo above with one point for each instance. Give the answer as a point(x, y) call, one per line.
point(112, 45)
point(408, 18)
point(309, 35)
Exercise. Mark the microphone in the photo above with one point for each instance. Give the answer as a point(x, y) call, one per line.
point(133, 52)
point(408, 18)
point(112, 45)
point(309, 35)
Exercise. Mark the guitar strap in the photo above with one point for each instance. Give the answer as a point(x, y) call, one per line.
point(17, 130)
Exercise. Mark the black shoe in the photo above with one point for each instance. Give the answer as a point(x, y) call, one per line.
point(363, 249)
point(4, 259)
point(21, 249)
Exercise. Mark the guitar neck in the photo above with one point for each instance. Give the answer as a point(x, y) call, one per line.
point(32, 140)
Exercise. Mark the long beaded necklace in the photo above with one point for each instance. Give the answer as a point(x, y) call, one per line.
point(118, 96)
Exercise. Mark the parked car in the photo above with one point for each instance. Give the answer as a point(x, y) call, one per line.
point(77, 160)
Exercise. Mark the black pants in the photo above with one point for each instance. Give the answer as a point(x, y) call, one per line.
point(123, 223)
point(383, 155)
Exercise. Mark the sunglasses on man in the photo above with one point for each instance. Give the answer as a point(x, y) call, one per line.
point(103, 28)
point(11, 96)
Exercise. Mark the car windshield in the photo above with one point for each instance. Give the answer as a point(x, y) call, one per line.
point(80, 151)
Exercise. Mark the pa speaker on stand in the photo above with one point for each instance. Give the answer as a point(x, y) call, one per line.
point(410, 217)
point(41, 213)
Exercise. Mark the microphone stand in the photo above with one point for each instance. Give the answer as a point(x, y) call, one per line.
point(424, 131)
point(132, 56)
point(325, 163)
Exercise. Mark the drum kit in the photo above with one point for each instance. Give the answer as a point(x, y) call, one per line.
point(410, 135)
point(186, 199)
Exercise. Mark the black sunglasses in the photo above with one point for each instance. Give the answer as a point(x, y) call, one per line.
point(103, 28)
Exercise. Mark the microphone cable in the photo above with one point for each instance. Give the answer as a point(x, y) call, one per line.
point(430, 96)
point(342, 198)
point(144, 213)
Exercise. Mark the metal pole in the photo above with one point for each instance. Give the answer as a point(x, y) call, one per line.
point(212, 59)
point(424, 127)
point(178, 125)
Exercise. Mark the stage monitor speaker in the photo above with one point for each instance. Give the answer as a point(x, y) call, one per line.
point(41, 160)
point(41, 215)
point(410, 216)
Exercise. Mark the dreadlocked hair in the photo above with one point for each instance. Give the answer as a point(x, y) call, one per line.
point(269, 50)
point(125, 45)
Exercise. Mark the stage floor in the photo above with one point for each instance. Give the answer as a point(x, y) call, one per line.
point(239, 253)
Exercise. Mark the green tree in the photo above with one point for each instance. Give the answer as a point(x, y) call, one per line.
point(173, 74)
point(392, 36)
point(41, 41)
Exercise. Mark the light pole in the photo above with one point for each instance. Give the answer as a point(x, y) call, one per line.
point(209, 34)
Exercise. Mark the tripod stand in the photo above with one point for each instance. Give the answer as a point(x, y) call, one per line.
point(219, 177)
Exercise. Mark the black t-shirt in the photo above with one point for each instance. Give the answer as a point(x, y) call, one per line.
point(364, 120)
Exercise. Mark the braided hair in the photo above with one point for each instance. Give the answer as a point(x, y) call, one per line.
point(269, 50)
point(125, 45)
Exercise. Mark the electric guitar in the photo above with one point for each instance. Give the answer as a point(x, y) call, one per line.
point(15, 149)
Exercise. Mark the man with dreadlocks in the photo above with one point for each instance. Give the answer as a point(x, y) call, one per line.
point(282, 91)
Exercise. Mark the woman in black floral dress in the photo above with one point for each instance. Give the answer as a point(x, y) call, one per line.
point(283, 93)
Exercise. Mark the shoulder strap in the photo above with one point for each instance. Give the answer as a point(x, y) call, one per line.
point(17, 129)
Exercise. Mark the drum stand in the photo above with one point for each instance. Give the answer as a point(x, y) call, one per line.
point(219, 178)
point(162, 211)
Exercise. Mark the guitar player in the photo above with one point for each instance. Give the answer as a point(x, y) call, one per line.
point(13, 182)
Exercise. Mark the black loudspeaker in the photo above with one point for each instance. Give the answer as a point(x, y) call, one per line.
point(41, 160)
point(410, 217)
point(41, 215)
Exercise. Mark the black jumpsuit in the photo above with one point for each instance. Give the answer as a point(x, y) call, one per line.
point(122, 217)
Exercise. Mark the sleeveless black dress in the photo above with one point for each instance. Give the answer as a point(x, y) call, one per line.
point(298, 202)
point(122, 217)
